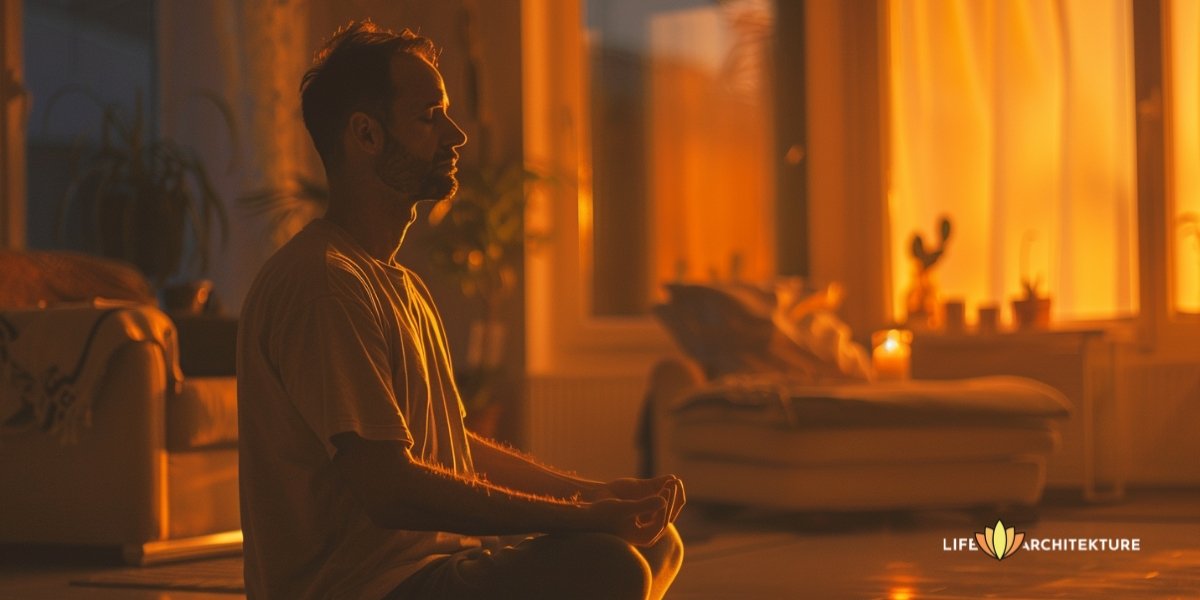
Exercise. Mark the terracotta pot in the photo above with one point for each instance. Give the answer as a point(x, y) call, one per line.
point(1031, 313)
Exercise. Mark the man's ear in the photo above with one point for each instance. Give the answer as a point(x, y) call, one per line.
point(366, 132)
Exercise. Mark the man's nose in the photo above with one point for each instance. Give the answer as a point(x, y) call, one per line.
point(453, 134)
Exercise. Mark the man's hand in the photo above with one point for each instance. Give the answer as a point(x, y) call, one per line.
point(639, 522)
point(668, 487)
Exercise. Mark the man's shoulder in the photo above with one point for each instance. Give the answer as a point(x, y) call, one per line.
point(310, 265)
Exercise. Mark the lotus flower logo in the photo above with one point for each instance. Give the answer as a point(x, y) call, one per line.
point(998, 542)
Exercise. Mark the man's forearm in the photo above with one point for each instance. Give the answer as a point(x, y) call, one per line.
point(510, 468)
point(431, 499)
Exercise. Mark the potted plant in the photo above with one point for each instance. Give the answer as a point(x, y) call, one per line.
point(150, 201)
point(921, 300)
point(1031, 311)
point(478, 236)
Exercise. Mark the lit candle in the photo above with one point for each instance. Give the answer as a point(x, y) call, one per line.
point(892, 355)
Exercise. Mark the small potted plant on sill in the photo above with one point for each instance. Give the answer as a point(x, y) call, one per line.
point(921, 300)
point(1032, 311)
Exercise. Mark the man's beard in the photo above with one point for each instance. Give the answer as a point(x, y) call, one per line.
point(413, 177)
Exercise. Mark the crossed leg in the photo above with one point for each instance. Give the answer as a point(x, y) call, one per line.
point(583, 566)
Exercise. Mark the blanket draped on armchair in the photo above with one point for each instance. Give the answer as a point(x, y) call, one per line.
point(53, 361)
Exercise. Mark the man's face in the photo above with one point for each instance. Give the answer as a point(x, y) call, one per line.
point(420, 138)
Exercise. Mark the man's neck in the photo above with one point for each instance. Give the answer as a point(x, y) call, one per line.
point(377, 220)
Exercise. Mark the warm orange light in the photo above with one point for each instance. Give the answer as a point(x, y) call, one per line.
point(710, 155)
point(1030, 131)
point(900, 593)
point(891, 355)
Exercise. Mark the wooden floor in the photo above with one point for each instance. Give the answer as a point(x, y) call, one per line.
point(749, 555)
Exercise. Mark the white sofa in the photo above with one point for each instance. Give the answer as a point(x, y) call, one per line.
point(756, 440)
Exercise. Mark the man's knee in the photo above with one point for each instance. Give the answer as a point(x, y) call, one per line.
point(666, 555)
point(620, 569)
point(598, 566)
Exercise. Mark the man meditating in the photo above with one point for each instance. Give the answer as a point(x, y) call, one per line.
point(358, 477)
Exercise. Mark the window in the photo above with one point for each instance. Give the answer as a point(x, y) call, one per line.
point(663, 164)
point(1016, 120)
point(682, 187)
point(106, 53)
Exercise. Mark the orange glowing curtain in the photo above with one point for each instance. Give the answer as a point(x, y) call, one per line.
point(711, 173)
point(1184, 118)
point(1015, 118)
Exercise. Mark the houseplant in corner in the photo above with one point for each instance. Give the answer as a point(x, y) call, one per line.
point(478, 237)
point(150, 202)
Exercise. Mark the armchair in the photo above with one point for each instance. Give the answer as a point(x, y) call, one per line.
point(103, 439)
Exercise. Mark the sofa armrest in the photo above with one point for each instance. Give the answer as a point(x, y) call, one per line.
point(107, 487)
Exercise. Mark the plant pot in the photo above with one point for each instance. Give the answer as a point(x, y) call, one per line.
point(1031, 313)
point(189, 298)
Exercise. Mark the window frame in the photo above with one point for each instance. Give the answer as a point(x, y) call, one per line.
point(1159, 327)
point(563, 337)
point(14, 110)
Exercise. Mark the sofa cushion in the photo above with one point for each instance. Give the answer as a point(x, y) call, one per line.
point(738, 328)
point(774, 400)
point(863, 445)
point(203, 415)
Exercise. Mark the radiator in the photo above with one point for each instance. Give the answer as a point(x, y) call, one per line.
point(586, 424)
point(1161, 402)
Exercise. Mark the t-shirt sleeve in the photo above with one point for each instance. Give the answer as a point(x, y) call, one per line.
point(333, 363)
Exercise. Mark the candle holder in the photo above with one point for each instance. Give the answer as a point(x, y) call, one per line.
point(892, 354)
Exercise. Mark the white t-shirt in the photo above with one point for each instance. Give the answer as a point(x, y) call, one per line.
point(332, 340)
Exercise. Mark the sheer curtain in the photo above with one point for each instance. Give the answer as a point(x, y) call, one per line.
point(1183, 100)
point(1015, 119)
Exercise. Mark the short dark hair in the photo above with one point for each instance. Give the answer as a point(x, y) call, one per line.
point(352, 73)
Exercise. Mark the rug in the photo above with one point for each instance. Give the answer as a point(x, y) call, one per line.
point(222, 575)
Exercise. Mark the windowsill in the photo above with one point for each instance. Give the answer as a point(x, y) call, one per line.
point(1116, 329)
